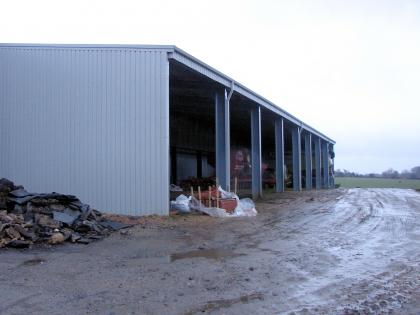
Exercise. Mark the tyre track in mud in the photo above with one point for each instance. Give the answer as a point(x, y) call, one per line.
point(373, 233)
point(351, 241)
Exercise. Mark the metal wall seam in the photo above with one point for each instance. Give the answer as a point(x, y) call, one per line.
point(2, 99)
point(165, 124)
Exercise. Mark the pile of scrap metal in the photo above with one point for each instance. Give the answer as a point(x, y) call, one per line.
point(28, 218)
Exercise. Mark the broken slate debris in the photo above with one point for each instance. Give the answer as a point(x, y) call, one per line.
point(67, 219)
point(28, 218)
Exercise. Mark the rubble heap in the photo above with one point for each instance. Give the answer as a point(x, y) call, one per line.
point(27, 218)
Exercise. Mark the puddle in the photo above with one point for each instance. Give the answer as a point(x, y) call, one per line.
point(33, 262)
point(226, 303)
point(204, 253)
point(162, 257)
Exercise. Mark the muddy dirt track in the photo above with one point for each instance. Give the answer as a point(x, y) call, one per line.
point(330, 252)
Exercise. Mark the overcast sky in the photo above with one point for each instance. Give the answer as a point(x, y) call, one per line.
point(351, 69)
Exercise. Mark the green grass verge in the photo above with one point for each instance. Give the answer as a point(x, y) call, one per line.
point(353, 182)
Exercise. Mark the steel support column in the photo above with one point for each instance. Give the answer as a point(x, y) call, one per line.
point(296, 152)
point(222, 140)
point(227, 137)
point(308, 160)
point(332, 178)
point(256, 152)
point(325, 164)
point(318, 166)
point(279, 139)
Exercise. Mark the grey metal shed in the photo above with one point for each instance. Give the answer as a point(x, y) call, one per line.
point(94, 121)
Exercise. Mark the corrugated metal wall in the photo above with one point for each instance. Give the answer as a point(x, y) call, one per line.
point(90, 122)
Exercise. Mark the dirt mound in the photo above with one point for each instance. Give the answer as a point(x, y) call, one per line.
point(28, 218)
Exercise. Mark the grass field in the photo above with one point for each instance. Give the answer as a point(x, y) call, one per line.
point(352, 182)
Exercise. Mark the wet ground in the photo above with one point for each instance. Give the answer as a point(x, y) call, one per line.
point(351, 251)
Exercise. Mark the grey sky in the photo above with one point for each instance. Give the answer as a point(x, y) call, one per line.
point(349, 68)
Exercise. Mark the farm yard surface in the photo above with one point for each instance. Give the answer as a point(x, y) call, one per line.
point(343, 251)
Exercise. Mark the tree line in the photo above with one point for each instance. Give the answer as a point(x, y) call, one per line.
point(414, 173)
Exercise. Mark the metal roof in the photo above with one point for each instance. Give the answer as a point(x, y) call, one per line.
point(197, 65)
